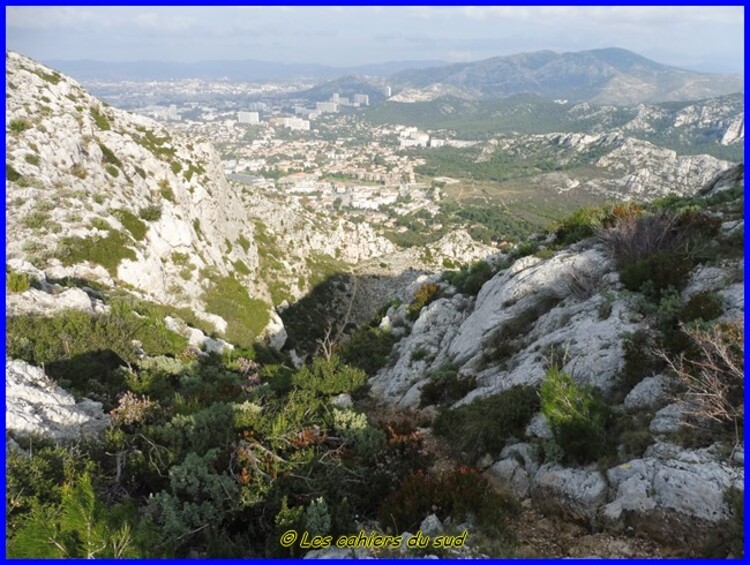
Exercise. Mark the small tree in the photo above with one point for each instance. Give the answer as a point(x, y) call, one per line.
point(577, 415)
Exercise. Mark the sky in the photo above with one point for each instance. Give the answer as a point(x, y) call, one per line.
point(699, 38)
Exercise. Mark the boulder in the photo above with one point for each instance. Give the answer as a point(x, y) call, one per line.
point(576, 494)
point(36, 406)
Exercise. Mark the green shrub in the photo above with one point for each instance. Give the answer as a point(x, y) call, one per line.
point(523, 250)
point(18, 125)
point(246, 317)
point(446, 387)
point(100, 119)
point(368, 348)
point(131, 223)
point(17, 282)
point(109, 157)
point(176, 167)
point(577, 415)
point(53, 78)
point(329, 376)
point(150, 213)
point(78, 527)
point(579, 225)
point(419, 354)
point(704, 306)
point(85, 350)
point(113, 171)
point(656, 273)
point(244, 243)
point(36, 220)
point(106, 251)
point(198, 502)
point(470, 280)
point(197, 228)
point(166, 190)
point(241, 268)
point(640, 360)
point(32, 159)
point(424, 295)
point(11, 174)
point(485, 424)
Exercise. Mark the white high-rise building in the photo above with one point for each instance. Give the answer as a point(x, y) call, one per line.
point(362, 99)
point(387, 91)
point(252, 118)
point(326, 106)
point(297, 124)
point(335, 98)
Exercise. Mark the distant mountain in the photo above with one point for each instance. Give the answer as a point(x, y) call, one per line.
point(244, 70)
point(607, 76)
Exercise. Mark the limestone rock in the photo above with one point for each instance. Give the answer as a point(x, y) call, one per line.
point(650, 392)
point(671, 499)
point(35, 301)
point(35, 405)
point(431, 526)
point(575, 493)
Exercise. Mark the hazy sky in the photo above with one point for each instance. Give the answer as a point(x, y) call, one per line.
point(701, 38)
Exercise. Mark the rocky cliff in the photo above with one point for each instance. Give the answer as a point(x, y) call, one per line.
point(96, 193)
point(576, 309)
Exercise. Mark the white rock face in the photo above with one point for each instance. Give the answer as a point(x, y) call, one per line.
point(35, 301)
point(575, 493)
point(37, 406)
point(196, 337)
point(543, 304)
point(275, 332)
point(670, 497)
point(519, 290)
point(650, 392)
point(430, 336)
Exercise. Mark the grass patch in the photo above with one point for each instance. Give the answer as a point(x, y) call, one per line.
point(131, 223)
point(100, 119)
point(18, 125)
point(150, 213)
point(166, 190)
point(241, 268)
point(11, 174)
point(246, 317)
point(32, 159)
point(106, 251)
point(53, 78)
point(109, 157)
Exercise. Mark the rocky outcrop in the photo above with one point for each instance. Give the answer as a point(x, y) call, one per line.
point(36, 406)
point(671, 495)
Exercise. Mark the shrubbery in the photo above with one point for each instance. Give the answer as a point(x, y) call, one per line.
point(329, 376)
point(246, 317)
point(424, 295)
point(577, 415)
point(368, 348)
point(469, 280)
point(106, 251)
point(486, 424)
point(446, 386)
point(17, 282)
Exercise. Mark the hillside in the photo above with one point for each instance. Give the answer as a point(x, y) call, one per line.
point(100, 194)
point(198, 368)
point(605, 76)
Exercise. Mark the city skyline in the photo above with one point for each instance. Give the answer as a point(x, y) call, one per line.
point(336, 36)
